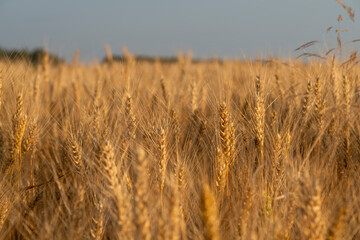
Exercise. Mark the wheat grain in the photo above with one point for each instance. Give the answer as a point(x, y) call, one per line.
point(209, 214)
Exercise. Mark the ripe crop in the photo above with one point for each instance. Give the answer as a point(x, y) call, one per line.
point(180, 150)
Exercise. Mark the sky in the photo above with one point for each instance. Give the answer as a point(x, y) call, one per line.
point(227, 29)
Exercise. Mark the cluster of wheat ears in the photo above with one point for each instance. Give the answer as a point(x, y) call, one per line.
point(182, 150)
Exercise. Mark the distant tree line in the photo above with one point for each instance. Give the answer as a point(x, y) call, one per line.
point(35, 56)
point(143, 58)
point(152, 59)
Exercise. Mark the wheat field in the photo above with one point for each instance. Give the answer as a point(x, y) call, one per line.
point(219, 149)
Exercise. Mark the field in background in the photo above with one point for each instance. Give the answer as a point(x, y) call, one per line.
point(180, 150)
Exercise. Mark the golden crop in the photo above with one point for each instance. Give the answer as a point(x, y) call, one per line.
point(182, 150)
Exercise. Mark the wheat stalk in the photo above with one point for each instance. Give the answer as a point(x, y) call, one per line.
point(221, 171)
point(19, 124)
point(194, 96)
point(225, 140)
point(164, 91)
point(259, 120)
point(131, 119)
point(30, 140)
point(319, 104)
point(312, 222)
point(45, 66)
point(162, 162)
point(109, 56)
point(245, 212)
point(347, 99)
point(98, 227)
point(118, 194)
point(306, 100)
point(279, 86)
point(141, 197)
point(75, 154)
point(209, 214)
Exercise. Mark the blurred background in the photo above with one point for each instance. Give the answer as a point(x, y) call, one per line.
point(227, 29)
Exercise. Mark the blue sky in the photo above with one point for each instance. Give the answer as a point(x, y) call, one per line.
point(230, 29)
